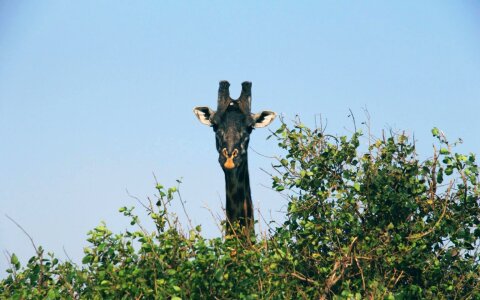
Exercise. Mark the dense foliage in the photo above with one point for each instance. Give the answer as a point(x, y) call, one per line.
point(379, 224)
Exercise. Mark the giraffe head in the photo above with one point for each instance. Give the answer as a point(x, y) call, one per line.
point(232, 123)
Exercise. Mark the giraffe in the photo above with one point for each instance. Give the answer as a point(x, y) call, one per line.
point(233, 123)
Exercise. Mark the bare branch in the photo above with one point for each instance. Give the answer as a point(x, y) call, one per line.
point(184, 209)
point(24, 231)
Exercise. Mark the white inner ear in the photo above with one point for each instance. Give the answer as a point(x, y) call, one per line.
point(204, 114)
point(264, 118)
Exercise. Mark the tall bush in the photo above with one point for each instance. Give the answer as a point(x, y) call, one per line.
point(376, 224)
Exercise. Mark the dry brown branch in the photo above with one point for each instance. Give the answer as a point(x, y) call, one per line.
point(433, 187)
point(302, 277)
point(398, 278)
point(361, 271)
point(444, 210)
point(333, 278)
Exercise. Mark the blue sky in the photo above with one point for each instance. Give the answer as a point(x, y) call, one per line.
point(97, 96)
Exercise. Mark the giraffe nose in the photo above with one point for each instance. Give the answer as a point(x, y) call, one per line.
point(229, 164)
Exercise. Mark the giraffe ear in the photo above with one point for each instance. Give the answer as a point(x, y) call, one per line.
point(263, 119)
point(204, 114)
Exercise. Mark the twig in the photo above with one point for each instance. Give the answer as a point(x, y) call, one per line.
point(184, 209)
point(361, 271)
point(398, 278)
point(302, 277)
point(213, 216)
point(264, 221)
point(39, 253)
point(353, 117)
point(24, 231)
point(433, 188)
point(8, 257)
point(138, 200)
point(66, 254)
point(253, 149)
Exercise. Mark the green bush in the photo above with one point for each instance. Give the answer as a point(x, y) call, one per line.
point(380, 224)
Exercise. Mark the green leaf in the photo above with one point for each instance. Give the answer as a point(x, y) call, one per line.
point(51, 294)
point(356, 186)
point(87, 259)
point(105, 282)
point(219, 275)
point(171, 272)
point(14, 260)
point(444, 151)
point(449, 170)
point(440, 176)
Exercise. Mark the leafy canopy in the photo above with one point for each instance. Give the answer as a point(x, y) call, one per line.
point(374, 224)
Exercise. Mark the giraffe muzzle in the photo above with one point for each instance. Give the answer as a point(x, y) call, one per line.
point(229, 164)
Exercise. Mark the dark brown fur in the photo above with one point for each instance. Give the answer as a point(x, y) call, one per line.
point(233, 123)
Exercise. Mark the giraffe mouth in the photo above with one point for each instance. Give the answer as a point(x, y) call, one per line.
point(229, 164)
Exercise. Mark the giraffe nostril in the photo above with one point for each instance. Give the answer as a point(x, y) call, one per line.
point(233, 154)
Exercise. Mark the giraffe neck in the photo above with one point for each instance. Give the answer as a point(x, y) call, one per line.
point(239, 200)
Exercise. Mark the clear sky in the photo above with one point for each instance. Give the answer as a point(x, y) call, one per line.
point(95, 96)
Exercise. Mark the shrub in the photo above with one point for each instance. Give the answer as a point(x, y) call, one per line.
point(378, 224)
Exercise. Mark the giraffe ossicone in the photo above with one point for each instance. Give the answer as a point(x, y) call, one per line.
point(233, 122)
